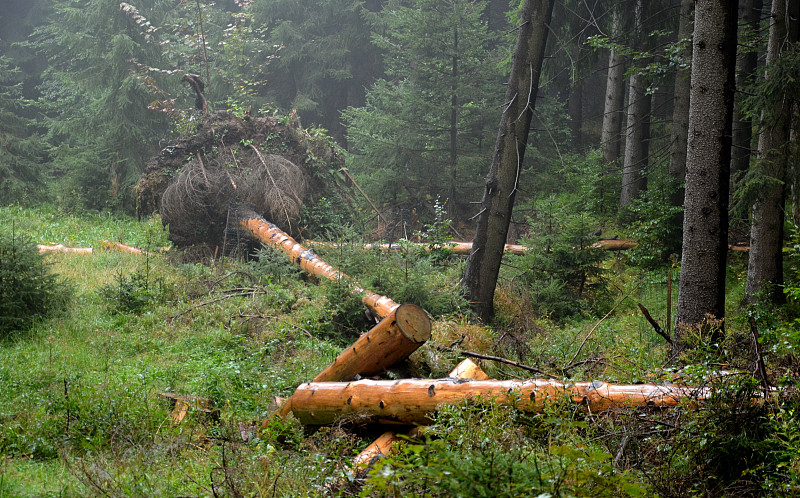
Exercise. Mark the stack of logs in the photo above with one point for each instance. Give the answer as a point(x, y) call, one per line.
point(340, 390)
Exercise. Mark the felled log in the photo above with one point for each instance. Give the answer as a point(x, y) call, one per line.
point(614, 244)
point(181, 403)
point(462, 248)
point(389, 342)
point(411, 401)
point(308, 260)
point(62, 248)
point(386, 444)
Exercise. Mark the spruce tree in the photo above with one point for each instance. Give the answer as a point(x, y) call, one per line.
point(426, 128)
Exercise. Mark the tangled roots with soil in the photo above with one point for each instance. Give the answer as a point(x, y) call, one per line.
point(197, 200)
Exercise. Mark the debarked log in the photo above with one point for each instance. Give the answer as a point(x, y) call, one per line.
point(308, 260)
point(463, 248)
point(386, 444)
point(412, 401)
point(614, 245)
point(391, 341)
point(62, 248)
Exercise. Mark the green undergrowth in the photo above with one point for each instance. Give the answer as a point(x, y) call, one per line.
point(82, 410)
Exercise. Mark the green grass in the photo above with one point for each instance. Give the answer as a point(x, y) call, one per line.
point(80, 411)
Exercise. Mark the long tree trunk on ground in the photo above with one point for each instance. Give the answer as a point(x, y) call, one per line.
point(746, 63)
point(412, 401)
point(705, 224)
point(614, 100)
point(271, 235)
point(480, 278)
point(765, 266)
point(637, 134)
point(680, 111)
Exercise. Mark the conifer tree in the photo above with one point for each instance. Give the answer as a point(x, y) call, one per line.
point(426, 126)
point(98, 119)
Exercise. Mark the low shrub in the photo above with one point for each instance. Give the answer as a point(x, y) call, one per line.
point(28, 289)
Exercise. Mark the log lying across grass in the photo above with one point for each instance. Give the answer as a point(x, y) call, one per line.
point(463, 248)
point(411, 401)
point(62, 248)
point(308, 260)
point(386, 444)
point(389, 342)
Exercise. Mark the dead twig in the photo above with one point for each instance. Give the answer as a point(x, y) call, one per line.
point(760, 370)
point(453, 344)
point(504, 360)
point(601, 321)
point(655, 325)
point(594, 359)
point(221, 298)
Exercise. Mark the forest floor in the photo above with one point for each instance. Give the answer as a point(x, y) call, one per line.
point(82, 410)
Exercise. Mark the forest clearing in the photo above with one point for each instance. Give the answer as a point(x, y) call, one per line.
point(399, 247)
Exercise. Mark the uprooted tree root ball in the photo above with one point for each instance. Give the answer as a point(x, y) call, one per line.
point(272, 167)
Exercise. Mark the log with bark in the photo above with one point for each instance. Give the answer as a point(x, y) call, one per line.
point(307, 259)
point(412, 401)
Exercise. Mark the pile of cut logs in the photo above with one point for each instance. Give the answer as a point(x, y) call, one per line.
point(342, 390)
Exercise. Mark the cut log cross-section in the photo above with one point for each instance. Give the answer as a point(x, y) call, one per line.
point(308, 260)
point(391, 341)
point(411, 401)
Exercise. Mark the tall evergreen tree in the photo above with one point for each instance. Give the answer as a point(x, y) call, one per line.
point(425, 128)
point(705, 224)
point(21, 154)
point(326, 60)
point(483, 268)
point(99, 122)
point(765, 265)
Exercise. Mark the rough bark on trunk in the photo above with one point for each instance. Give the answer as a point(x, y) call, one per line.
point(765, 266)
point(480, 278)
point(637, 139)
point(705, 224)
point(411, 401)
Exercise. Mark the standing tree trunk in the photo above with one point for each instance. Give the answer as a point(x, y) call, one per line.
point(637, 135)
point(705, 223)
point(765, 266)
point(615, 94)
point(480, 278)
point(451, 202)
point(680, 111)
point(746, 63)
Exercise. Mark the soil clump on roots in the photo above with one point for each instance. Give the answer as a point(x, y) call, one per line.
point(268, 164)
